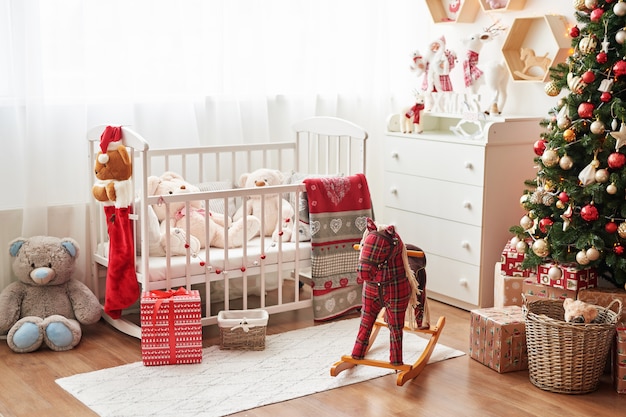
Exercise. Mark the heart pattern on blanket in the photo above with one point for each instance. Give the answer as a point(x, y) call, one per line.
point(351, 297)
point(335, 225)
point(315, 227)
point(330, 304)
point(361, 223)
point(336, 188)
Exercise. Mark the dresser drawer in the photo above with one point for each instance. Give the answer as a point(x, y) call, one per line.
point(452, 279)
point(441, 160)
point(437, 236)
point(447, 200)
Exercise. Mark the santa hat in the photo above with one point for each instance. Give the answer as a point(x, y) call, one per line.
point(111, 138)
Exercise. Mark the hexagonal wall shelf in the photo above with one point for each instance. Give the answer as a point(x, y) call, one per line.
point(533, 45)
point(453, 11)
point(489, 6)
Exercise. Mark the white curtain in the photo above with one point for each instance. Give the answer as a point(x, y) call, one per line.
point(181, 73)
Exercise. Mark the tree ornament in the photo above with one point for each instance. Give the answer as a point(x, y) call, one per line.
point(619, 68)
point(581, 258)
point(611, 189)
point(526, 222)
point(593, 254)
point(550, 158)
point(514, 241)
point(566, 163)
point(575, 83)
point(620, 9)
point(597, 127)
point(614, 124)
point(587, 44)
point(588, 77)
point(552, 89)
point(616, 160)
point(621, 230)
point(620, 36)
point(521, 247)
point(589, 213)
point(555, 273)
point(560, 205)
point(523, 201)
point(547, 199)
point(610, 227)
point(602, 175)
point(602, 58)
point(567, 217)
point(605, 97)
point(591, 4)
point(574, 32)
point(588, 175)
point(596, 15)
point(585, 110)
point(569, 135)
point(545, 224)
point(562, 119)
point(579, 5)
point(541, 248)
point(539, 146)
point(620, 136)
point(563, 196)
point(619, 250)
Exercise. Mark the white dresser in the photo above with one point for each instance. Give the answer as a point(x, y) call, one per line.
point(456, 197)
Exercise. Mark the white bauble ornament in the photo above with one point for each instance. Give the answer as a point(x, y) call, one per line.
point(619, 9)
point(521, 247)
point(611, 189)
point(526, 222)
point(523, 200)
point(550, 158)
point(597, 127)
point(555, 272)
point(593, 254)
point(620, 36)
point(514, 241)
point(541, 248)
point(566, 163)
point(591, 4)
point(581, 258)
point(602, 175)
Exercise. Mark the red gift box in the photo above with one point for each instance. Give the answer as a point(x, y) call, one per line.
point(498, 338)
point(511, 263)
point(171, 328)
point(533, 291)
point(572, 278)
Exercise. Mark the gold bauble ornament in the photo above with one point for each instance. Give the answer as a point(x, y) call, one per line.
point(550, 158)
point(566, 163)
point(621, 230)
point(552, 89)
point(602, 175)
point(541, 248)
point(579, 5)
point(611, 189)
point(581, 258)
point(526, 222)
point(593, 254)
point(521, 247)
point(569, 135)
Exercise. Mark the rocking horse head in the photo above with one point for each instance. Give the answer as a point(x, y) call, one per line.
point(381, 256)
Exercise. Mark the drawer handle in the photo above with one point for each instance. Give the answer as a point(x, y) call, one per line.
point(394, 155)
point(465, 244)
point(469, 165)
point(467, 204)
point(463, 282)
point(393, 190)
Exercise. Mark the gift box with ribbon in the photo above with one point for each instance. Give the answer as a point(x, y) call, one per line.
point(171, 328)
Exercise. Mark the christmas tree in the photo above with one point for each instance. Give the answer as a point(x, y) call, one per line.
point(576, 206)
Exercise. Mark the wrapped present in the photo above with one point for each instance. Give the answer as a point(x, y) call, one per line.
point(498, 338)
point(619, 359)
point(572, 278)
point(171, 328)
point(507, 290)
point(511, 263)
point(603, 297)
point(533, 291)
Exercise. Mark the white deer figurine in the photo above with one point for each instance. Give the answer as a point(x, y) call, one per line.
point(494, 75)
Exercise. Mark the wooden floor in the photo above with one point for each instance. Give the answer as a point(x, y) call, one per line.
point(456, 387)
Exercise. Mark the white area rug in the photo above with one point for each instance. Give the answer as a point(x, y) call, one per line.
point(293, 364)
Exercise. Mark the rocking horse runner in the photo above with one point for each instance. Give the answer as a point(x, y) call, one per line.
point(390, 291)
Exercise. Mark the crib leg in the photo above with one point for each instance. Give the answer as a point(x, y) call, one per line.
point(405, 372)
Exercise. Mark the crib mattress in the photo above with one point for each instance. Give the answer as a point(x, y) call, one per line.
point(232, 259)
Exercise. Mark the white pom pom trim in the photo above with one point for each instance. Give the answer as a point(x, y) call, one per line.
point(103, 158)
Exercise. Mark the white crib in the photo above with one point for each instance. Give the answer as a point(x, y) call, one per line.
point(262, 273)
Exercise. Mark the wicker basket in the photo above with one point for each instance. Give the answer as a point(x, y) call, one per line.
point(567, 357)
point(242, 329)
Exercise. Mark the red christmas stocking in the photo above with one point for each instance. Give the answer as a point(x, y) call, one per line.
point(122, 288)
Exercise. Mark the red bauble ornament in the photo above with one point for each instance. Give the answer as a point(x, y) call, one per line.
point(589, 213)
point(596, 14)
point(619, 68)
point(602, 58)
point(574, 32)
point(605, 97)
point(616, 160)
point(539, 147)
point(618, 249)
point(563, 197)
point(588, 77)
point(544, 224)
point(610, 227)
point(585, 110)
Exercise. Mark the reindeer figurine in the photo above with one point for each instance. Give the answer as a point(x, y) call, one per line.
point(494, 76)
point(410, 117)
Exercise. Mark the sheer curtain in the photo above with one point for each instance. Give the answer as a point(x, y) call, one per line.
point(181, 73)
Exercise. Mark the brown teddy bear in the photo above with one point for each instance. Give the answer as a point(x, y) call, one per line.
point(46, 305)
point(278, 228)
point(113, 168)
point(220, 225)
point(577, 311)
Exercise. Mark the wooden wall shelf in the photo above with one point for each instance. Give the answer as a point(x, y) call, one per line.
point(485, 5)
point(466, 10)
point(545, 36)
